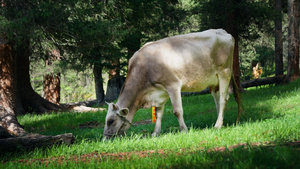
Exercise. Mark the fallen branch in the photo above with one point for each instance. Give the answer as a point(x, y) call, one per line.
point(31, 141)
point(88, 103)
point(82, 106)
point(84, 109)
point(264, 81)
point(246, 84)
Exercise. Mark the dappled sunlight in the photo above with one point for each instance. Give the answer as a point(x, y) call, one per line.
point(267, 119)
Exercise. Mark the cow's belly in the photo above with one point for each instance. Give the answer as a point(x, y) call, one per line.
point(155, 96)
point(198, 83)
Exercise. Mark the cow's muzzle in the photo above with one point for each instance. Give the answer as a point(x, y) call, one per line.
point(107, 137)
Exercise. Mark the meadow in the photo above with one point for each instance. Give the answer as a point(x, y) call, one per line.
point(266, 130)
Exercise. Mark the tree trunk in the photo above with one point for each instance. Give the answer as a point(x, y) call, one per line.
point(98, 83)
point(114, 87)
point(115, 69)
point(28, 100)
point(278, 39)
point(32, 141)
point(232, 28)
point(51, 85)
point(8, 120)
point(115, 82)
point(293, 42)
point(297, 37)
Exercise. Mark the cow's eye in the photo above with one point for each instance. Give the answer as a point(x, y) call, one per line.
point(110, 122)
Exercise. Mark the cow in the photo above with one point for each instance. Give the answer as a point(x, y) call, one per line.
point(163, 69)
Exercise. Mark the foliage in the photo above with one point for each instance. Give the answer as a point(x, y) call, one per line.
point(77, 86)
point(40, 21)
point(247, 14)
point(271, 114)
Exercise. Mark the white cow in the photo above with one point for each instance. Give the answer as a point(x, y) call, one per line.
point(162, 69)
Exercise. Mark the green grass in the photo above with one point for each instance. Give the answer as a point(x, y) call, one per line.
point(271, 114)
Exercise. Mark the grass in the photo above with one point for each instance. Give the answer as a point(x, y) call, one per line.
point(272, 114)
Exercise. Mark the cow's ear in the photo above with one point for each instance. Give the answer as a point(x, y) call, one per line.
point(124, 111)
point(115, 107)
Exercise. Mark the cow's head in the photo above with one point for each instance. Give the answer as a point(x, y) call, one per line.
point(116, 122)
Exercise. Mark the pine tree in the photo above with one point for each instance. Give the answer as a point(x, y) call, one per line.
point(278, 38)
point(293, 40)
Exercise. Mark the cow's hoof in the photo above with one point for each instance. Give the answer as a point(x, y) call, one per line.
point(154, 134)
point(218, 126)
point(184, 129)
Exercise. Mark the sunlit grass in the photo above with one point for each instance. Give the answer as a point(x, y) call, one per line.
point(271, 114)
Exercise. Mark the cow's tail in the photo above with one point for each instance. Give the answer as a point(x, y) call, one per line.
point(237, 96)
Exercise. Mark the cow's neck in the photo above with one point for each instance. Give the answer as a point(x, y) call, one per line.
point(129, 98)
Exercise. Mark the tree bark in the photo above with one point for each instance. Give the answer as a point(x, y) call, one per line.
point(51, 85)
point(115, 70)
point(293, 41)
point(265, 81)
point(278, 39)
point(114, 87)
point(115, 82)
point(28, 100)
point(98, 83)
point(232, 28)
point(32, 141)
point(297, 37)
point(8, 120)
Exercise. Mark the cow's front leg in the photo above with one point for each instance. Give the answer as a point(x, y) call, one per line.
point(159, 113)
point(175, 96)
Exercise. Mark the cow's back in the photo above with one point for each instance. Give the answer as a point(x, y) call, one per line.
point(195, 59)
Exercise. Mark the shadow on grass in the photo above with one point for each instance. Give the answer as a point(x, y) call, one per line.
point(261, 157)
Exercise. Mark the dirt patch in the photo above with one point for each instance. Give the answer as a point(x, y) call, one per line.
point(96, 156)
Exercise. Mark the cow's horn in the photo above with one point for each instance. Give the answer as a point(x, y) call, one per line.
point(115, 107)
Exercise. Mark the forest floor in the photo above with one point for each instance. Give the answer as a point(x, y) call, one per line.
point(100, 156)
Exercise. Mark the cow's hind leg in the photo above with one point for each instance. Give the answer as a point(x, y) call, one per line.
point(159, 113)
point(216, 94)
point(223, 98)
point(175, 96)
